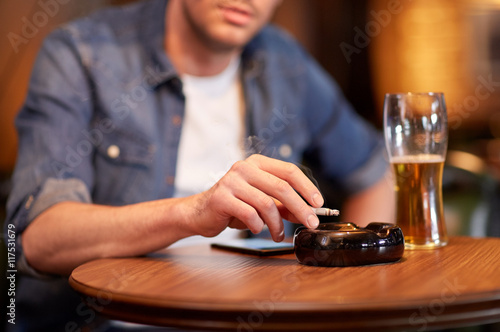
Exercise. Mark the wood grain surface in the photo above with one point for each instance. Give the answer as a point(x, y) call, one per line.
point(205, 288)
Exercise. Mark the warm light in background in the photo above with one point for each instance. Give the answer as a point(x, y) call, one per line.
point(422, 49)
point(444, 46)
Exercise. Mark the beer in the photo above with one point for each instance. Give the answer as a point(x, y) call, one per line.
point(419, 200)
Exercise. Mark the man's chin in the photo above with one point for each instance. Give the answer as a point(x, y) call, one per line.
point(229, 43)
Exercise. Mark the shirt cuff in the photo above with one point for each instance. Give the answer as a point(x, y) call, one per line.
point(55, 191)
point(52, 192)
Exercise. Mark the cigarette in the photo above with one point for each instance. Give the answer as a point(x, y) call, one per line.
point(326, 212)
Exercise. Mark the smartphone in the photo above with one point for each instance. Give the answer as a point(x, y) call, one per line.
point(256, 246)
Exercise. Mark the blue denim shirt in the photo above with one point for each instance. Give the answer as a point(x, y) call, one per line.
point(104, 111)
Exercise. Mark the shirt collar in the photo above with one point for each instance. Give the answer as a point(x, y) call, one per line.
point(253, 57)
point(152, 33)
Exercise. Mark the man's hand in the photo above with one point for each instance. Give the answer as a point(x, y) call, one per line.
point(255, 192)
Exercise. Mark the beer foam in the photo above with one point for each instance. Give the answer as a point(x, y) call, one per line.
point(418, 159)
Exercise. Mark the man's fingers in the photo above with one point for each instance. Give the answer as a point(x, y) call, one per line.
point(245, 213)
point(237, 224)
point(291, 174)
point(266, 208)
point(279, 188)
point(285, 213)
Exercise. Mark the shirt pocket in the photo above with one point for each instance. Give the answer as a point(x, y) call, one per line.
point(123, 166)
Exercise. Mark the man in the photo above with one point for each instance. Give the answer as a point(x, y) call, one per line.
point(121, 146)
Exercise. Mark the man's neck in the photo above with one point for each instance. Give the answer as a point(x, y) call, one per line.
point(187, 52)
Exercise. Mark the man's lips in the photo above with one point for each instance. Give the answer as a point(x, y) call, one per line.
point(235, 15)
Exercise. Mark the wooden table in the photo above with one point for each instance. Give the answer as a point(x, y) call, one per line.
point(204, 288)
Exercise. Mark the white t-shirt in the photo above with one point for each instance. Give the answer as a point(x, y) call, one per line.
point(212, 135)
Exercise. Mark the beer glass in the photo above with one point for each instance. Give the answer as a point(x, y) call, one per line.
point(416, 137)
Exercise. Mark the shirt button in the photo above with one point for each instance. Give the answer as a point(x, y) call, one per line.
point(113, 151)
point(29, 202)
point(176, 120)
point(170, 180)
point(285, 151)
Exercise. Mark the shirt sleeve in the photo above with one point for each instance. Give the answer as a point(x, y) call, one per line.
point(51, 165)
point(349, 149)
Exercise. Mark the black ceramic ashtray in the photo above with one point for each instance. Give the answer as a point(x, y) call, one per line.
point(346, 244)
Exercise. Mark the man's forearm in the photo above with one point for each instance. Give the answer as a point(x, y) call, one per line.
point(70, 233)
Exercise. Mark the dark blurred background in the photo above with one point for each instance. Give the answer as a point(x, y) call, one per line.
point(371, 47)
